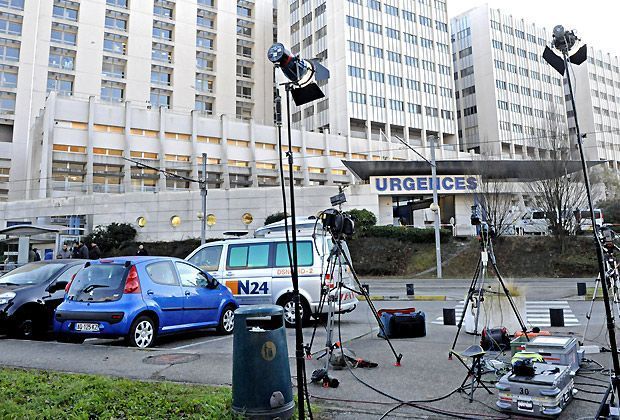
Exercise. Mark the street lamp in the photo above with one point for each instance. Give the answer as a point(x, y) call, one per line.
point(563, 42)
point(301, 86)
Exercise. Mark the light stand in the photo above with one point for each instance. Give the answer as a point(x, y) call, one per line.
point(563, 41)
point(300, 73)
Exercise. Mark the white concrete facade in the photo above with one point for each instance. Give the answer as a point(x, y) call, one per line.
point(596, 84)
point(391, 71)
point(185, 55)
point(506, 93)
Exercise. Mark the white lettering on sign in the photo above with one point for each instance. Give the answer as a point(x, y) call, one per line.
point(455, 184)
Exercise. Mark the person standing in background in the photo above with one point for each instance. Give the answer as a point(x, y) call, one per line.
point(95, 252)
point(142, 251)
point(64, 253)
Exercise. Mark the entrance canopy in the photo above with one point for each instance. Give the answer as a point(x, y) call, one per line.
point(518, 170)
point(29, 230)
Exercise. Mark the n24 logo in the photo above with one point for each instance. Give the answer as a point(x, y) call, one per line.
point(248, 287)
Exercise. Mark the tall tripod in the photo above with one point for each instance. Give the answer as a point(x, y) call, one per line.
point(613, 283)
point(475, 295)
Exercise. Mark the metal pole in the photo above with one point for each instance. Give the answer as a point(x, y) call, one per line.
point(299, 338)
point(203, 193)
point(436, 203)
point(611, 329)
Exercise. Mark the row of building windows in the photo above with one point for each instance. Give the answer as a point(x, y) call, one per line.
point(396, 105)
point(518, 33)
point(605, 65)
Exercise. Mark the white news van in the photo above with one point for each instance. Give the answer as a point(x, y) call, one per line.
point(257, 270)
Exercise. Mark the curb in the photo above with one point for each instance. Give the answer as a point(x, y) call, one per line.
point(414, 297)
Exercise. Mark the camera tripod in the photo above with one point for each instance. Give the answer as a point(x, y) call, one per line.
point(475, 295)
point(339, 257)
point(612, 277)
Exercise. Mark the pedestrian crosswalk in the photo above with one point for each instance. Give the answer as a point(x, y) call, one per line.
point(537, 313)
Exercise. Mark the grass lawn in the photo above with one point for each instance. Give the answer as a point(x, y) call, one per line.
point(27, 394)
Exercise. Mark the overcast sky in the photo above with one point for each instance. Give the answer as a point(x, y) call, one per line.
point(597, 22)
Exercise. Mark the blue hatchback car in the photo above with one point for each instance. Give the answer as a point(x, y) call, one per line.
point(140, 298)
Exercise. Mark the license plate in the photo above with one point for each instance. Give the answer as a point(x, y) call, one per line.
point(86, 326)
point(525, 405)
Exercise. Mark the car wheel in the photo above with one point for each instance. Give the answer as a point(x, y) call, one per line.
point(227, 321)
point(142, 332)
point(289, 310)
point(25, 328)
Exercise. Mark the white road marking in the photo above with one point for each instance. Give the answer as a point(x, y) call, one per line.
point(537, 313)
point(201, 342)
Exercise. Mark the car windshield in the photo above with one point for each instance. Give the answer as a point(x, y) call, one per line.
point(34, 273)
point(98, 283)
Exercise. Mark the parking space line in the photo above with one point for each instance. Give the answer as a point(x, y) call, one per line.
point(202, 342)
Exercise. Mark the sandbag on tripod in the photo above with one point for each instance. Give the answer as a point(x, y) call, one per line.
point(402, 323)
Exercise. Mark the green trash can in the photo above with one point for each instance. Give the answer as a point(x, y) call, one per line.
point(261, 386)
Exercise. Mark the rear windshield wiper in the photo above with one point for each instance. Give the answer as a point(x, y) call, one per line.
point(91, 287)
point(9, 284)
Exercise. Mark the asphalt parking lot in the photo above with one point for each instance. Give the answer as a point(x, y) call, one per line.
point(205, 357)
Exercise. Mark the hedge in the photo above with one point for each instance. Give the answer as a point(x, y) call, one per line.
point(408, 234)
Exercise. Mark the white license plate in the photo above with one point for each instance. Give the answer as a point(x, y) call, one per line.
point(86, 326)
point(525, 405)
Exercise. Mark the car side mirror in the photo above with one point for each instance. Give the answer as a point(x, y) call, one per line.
point(59, 285)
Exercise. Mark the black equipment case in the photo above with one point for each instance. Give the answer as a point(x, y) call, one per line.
point(403, 323)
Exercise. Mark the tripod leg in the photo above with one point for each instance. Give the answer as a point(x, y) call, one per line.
point(470, 294)
point(589, 313)
point(372, 307)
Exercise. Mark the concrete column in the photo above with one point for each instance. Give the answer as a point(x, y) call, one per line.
point(127, 153)
point(253, 168)
point(224, 148)
point(193, 186)
point(23, 249)
point(303, 160)
point(328, 170)
point(45, 184)
point(89, 145)
point(406, 138)
point(161, 183)
point(388, 139)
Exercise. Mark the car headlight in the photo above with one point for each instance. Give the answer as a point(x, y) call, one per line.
point(6, 297)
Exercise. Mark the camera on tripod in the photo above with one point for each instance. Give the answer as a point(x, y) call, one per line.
point(337, 223)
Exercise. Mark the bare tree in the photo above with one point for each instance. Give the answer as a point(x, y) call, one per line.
point(557, 192)
point(496, 199)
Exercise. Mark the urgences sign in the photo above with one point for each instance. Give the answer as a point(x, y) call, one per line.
point(454, 184)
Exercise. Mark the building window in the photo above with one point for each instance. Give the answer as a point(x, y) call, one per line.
point(410, 38)
point(394, 56)
point(13, 4)
point(9, 50)
point(61, 83)
point(375, 52)
point(65, 34)
point(413, 84)
point(162, 30)
point(10, 24)
point(425, 21)
point(243, 70)
point(411, 61)
point(397, 105)
point(467, 71)
point(8, 76)
point(61, 59)
point(116, 20)
point(441, 26)
point(391, 10)
point(113, 67)
point(354, 22)
point(244, 91)
point(377, 101)
point(7, 103)
point(357, 47)
point(414, 108)
point(160, 98)
point(426, 43)
point(204, 83)
point(356, 72)
point(205, 61)
point(374, 28)
point(465, 52)
point(431, 112)
point(392, 33)
point(163, 10)
point(395, 80)
point(498, 45)
point(408, 16)
point(112, 92)
point(65, 10)
point(204, 104)
point(374, 4)
point(162, 53)
point(376, 76)
point(357, 98)
point(161, 76)
point(205, 40)
point(115, 43)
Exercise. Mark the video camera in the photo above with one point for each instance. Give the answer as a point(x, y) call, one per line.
point(337, 223)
